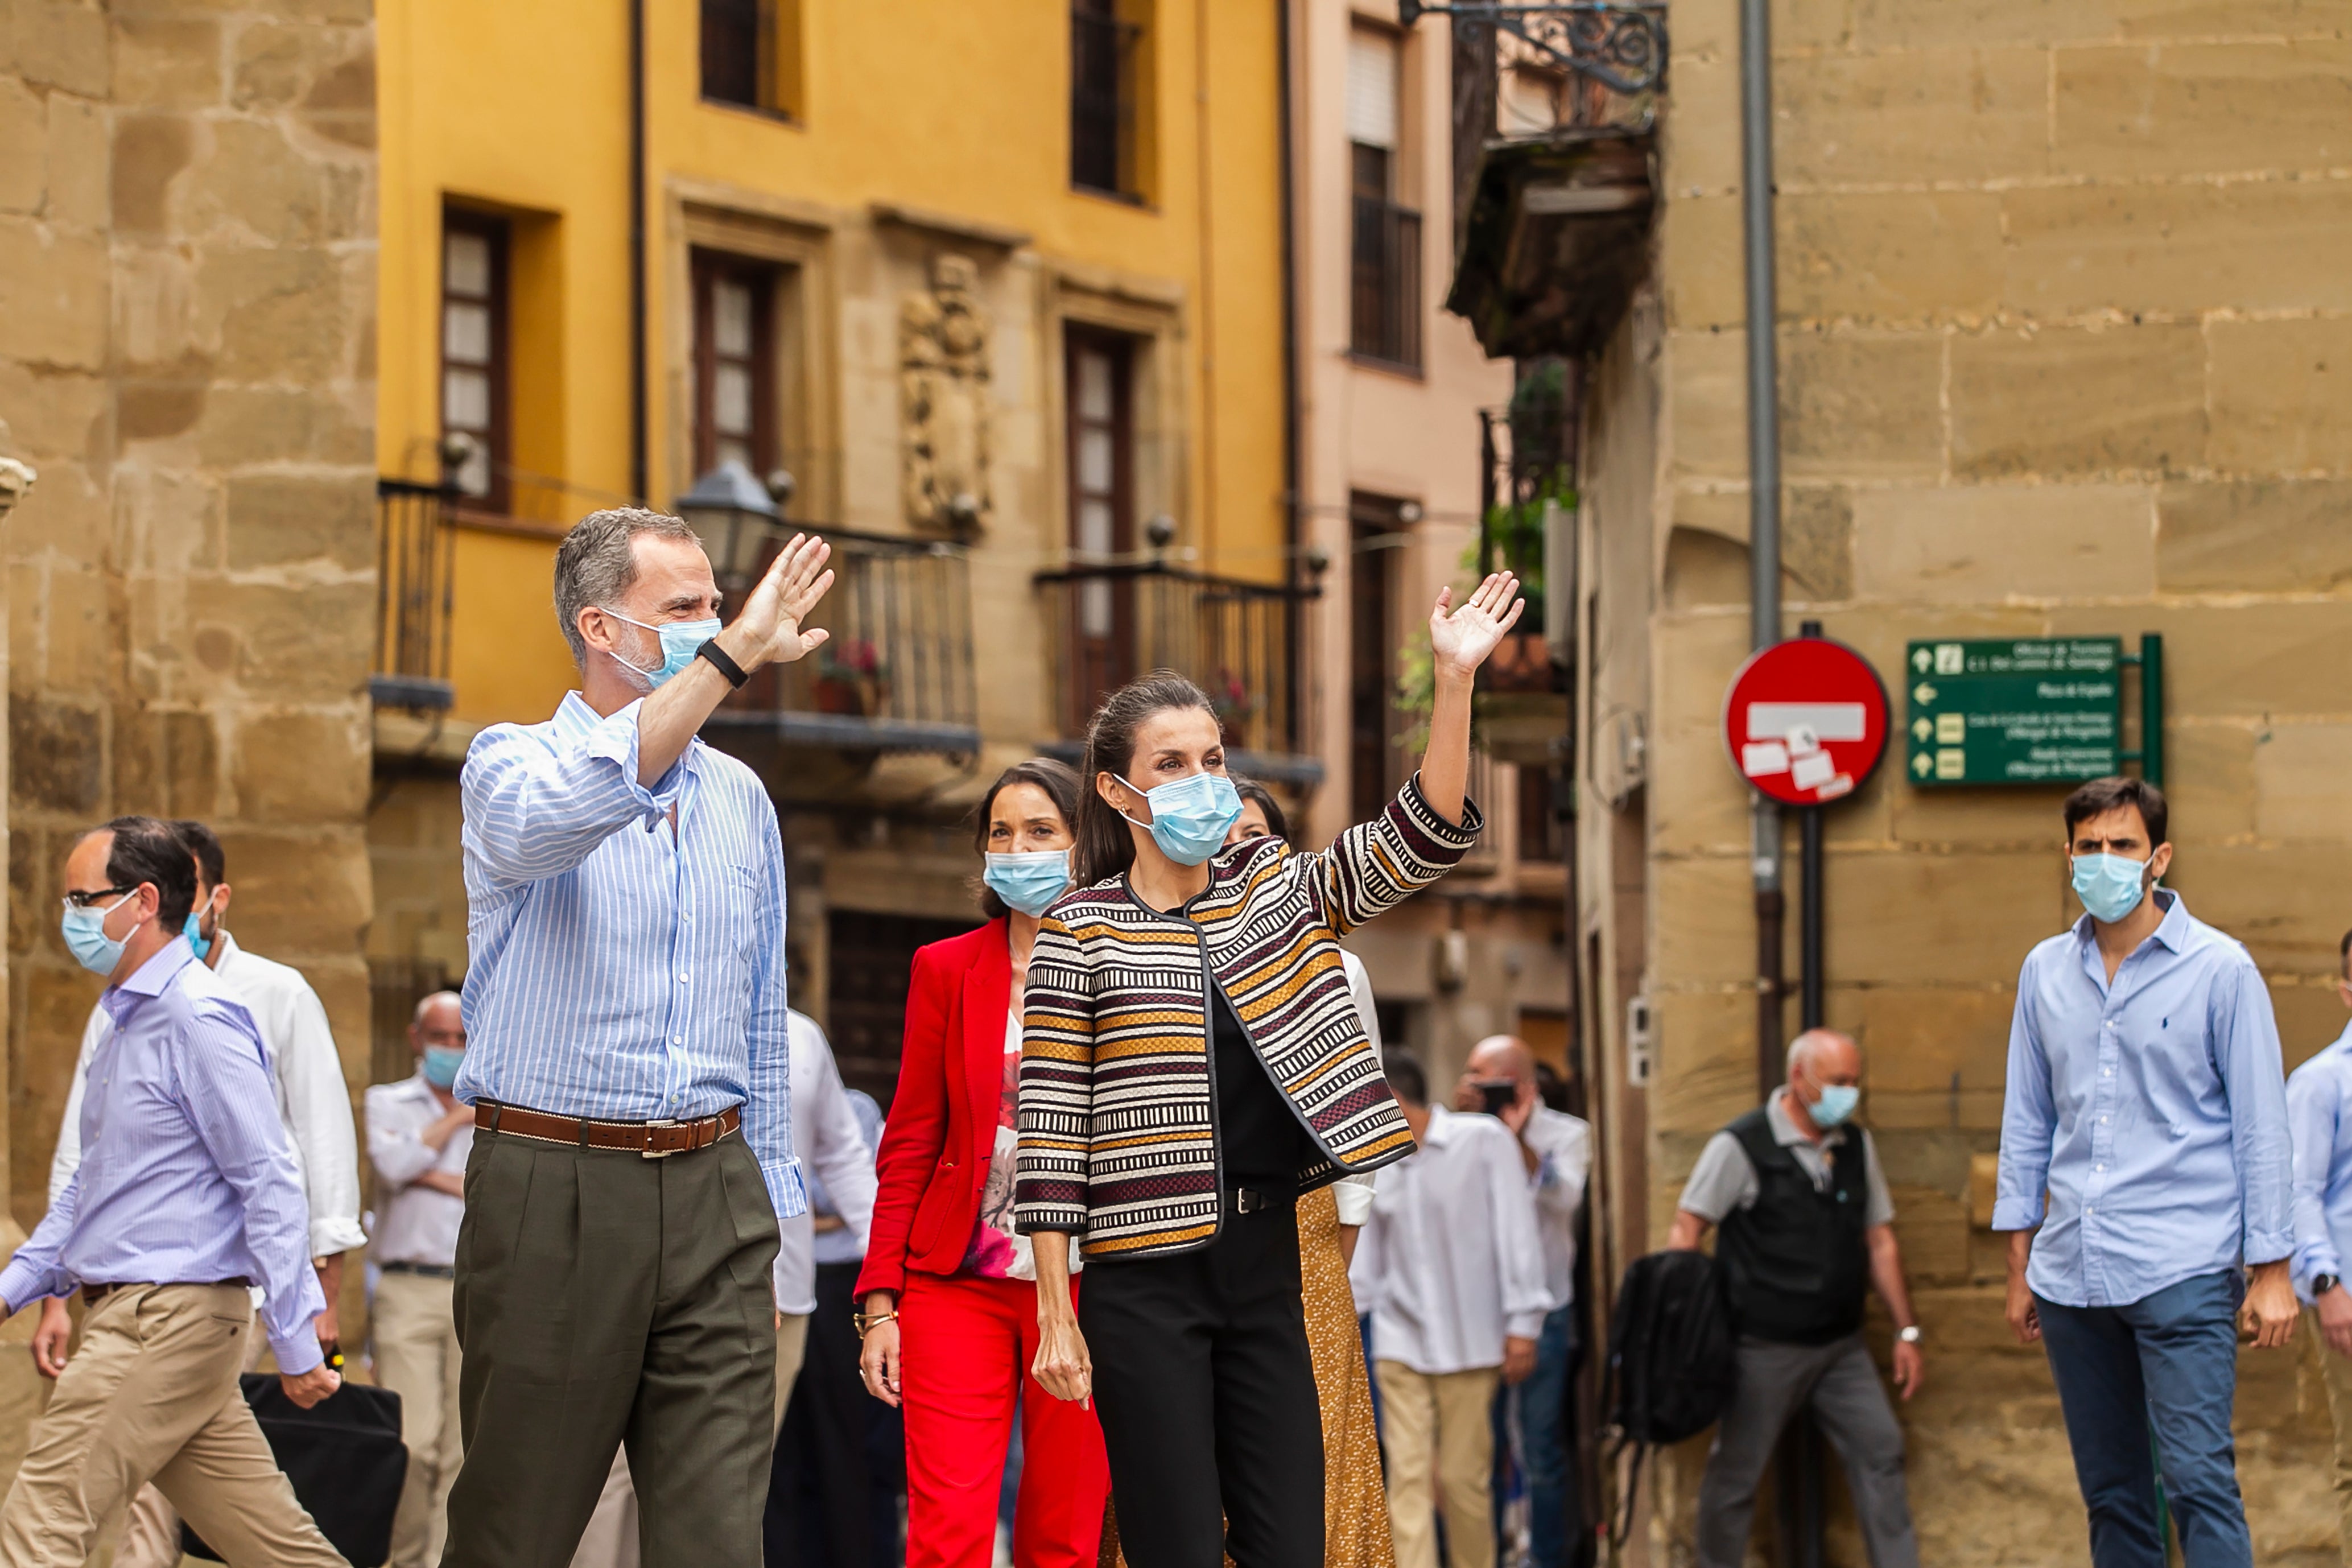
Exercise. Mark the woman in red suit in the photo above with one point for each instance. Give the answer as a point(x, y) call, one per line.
point(949, 1291)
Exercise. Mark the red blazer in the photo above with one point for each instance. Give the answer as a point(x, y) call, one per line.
point(932, 1167)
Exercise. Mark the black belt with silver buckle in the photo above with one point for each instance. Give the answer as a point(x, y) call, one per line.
point(429, 1271)
point(1254, 1200)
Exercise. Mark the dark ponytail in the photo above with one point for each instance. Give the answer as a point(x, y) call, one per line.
point(1105, 847)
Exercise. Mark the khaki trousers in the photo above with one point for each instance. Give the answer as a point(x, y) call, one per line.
point(2336, 1377)
point(416, 1357)
point(153, 1395)
point(1440, 1424)
point(151, 1535)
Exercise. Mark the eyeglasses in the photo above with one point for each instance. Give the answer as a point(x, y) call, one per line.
point(89, 900)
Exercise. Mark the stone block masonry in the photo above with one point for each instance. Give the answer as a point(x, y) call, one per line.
point(187, 255)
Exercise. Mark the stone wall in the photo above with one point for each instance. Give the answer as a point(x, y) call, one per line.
point(2064, 337)
point(187, 256)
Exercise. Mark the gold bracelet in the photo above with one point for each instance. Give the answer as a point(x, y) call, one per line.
point(865, 1322)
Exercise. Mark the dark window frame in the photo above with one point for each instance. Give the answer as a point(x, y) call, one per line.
point(1103, 100)
point(736, 50)
point(765, 278)
point(1384, 263)
point(1107, 662)
point(498, 439)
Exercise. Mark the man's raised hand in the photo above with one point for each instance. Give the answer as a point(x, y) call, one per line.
point(769, 631)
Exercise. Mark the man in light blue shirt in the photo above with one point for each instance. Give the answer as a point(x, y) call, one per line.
point(626, 1058)
point(2145, 1159)
point(2319, 1109)
point(187, 1195)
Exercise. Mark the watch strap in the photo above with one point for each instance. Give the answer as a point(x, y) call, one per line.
point(2322, 1284)
point(735, 673)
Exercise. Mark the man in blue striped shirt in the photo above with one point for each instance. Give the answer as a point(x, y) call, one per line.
point(628, 1041)
point(2145, 1162)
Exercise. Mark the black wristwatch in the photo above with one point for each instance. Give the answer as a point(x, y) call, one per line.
point(2320, 1284)
point(735, 673)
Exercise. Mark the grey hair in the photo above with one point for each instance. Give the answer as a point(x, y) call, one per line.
point(1803, 1046)
point(597, 562)
point(425, 1004)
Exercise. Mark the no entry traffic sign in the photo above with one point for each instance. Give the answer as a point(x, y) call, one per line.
point(1805, 720)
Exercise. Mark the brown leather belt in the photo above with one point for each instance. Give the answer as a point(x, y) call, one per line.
point(654, 1140)
point(91, 1295)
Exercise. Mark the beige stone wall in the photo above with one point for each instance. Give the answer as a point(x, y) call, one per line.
point(2063, 337)
point(187, 222)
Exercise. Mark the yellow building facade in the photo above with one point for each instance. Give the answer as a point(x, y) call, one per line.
point(1000, 288)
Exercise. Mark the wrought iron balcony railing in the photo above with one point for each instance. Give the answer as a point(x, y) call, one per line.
point(1386, 282)
point(415, 584)
point(1236, 640)
point(896, 675)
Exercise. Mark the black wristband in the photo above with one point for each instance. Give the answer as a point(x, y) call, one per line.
point(734, 672)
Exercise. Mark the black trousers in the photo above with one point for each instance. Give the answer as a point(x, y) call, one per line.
point(1206, 1392)
point(832, 1499)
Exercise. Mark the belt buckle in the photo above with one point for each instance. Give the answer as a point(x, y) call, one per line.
point(649, 1152)
point(1249, 1200)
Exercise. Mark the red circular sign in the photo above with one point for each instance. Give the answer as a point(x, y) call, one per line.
point(1805, 720)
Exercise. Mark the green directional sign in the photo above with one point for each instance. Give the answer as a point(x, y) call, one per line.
point(2040, 711)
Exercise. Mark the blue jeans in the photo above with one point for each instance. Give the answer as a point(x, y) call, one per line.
point(1545, 1451)
point(2167, 1362)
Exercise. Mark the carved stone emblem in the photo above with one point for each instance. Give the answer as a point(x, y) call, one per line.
point(944, 392)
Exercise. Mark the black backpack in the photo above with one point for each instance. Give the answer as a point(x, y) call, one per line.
point(1673, 1356)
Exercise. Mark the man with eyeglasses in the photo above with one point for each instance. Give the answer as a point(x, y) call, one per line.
point(186, 1196)
point(314, 1106)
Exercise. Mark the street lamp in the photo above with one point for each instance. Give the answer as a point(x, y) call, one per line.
point(733, 513)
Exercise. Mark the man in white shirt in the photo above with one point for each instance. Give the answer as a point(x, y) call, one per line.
point(313, 1102)
point(418, 1138)
point(828, 1139)
point(1451, 1268)
point(1557, 1150)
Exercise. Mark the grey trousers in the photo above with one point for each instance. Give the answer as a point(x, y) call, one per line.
point(606, 1299)
point(1840, 1384)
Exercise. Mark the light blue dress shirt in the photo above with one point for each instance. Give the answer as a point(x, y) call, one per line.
point(2319, 1109)
point(185, 1177)
point(621, 971)
point(2151, 1110)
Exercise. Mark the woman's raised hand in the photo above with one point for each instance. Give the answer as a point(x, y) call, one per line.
point(1461, 639)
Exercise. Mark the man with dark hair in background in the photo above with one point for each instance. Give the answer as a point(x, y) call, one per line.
point(2319, 1110)
point(188, 1198)
point(2145, 1162)
point(314, 1106)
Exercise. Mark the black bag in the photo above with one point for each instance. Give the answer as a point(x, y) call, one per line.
point(1674, 1357)
point(344, 1456)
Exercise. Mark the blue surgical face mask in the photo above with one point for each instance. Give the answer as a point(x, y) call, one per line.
point(1030, 881)
point(1836, 1103)
point(193, 929)
point(86, 939)
point(2110, 886)
point(680, 641)
point(1189, 816)
point(441, 1063)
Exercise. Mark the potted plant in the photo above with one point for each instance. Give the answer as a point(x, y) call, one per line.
point(852, 678)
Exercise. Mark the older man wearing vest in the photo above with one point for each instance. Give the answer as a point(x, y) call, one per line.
point(1807, 1229)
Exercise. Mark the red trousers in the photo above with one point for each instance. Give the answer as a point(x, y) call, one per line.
point(965, 1347)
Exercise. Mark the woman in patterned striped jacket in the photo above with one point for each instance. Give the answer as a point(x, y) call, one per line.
point(1191, 1062)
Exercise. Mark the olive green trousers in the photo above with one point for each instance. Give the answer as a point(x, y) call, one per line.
point(607, 1299)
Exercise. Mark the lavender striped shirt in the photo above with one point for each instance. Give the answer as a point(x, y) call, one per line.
point(621, 971)
point(185, 1177)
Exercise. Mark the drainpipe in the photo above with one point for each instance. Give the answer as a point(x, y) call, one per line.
point(1292, 465)
point(1763, 490)
point(639, 467)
